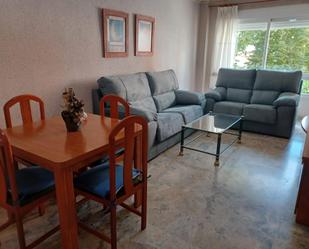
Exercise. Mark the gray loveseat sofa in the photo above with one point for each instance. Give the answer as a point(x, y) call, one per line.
point(267, 99)
point(155, 96)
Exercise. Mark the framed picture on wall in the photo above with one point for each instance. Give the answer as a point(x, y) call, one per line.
point(115, 33)
point(144, 35)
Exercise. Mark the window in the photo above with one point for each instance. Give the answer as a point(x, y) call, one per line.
point(277, 44)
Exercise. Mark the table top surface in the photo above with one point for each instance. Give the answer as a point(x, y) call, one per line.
point(214, 123)
point(48, 142)
point(305, 124)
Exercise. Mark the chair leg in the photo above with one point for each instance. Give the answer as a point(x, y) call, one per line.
point(41, 209)
point(20, 231)
point(113, 228)
point(144, 206)
point(9, 222)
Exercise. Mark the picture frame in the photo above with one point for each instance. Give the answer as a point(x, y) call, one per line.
point(115, 33)
point(144, 35)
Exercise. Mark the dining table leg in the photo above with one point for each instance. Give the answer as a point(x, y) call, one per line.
point(66, 208)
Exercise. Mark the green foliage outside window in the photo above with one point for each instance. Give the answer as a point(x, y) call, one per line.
point(305, 88)
point(288, 50)
point(250, 49)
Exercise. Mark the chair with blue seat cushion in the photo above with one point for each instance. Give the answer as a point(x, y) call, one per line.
point(24, 102)
point(22, 190)
point(112, 184)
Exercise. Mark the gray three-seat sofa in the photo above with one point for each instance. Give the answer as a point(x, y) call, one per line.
point(155, 96)
point(267, 99)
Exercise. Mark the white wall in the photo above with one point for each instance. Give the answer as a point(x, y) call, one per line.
point(46, 46)
point(288, 11)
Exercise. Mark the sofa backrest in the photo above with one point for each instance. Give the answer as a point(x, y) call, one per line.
point(270, 84)
point(134, 88)
point(163, 85)
point(236, 85)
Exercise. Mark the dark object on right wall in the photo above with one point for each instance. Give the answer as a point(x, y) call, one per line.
point(267, 99)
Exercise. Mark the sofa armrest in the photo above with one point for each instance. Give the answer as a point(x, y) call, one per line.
point(189, 98)
point(214, 94)
point(287, 99)
point(148, 115)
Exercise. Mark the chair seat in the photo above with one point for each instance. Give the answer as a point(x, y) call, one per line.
point(96, 180)
point(32, 183)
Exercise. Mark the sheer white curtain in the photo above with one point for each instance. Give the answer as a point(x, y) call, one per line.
point(225, 40)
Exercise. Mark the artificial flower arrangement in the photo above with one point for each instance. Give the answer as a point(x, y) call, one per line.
point(73, 113)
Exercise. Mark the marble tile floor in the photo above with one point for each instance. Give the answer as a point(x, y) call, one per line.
point(246, 203)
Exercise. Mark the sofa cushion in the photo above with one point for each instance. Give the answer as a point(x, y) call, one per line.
point(162, 82)
point(228, 107)
point(238, 95)
point(188, 112)
point(132, 87)
point(264, 97)
point(149, 116)
point(112, 85)
point(232, 78)
point(146, 104)
point(217, 94)
point(164, 100)
point(260, 113)
point(278, 81)
point(184, 97)
point(168, 125)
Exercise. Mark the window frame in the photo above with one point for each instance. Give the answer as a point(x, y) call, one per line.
point(258, 24)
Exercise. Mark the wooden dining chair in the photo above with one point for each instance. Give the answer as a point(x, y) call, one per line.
point(22, 190)
point(111, 184)
point(113, 103)
point(24, 102)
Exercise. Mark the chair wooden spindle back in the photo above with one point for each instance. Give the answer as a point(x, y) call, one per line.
point(114, 103)
point(128, 126)
point(25, 108)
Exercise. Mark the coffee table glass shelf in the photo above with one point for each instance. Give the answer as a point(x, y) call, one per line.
point(215, 123)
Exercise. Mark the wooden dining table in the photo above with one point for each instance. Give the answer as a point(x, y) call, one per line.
point(48, 144)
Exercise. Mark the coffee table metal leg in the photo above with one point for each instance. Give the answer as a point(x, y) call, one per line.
point(182, 141)
point(217, 163)
point(240, 130)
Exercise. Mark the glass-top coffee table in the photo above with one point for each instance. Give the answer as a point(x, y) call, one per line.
point(213, 123)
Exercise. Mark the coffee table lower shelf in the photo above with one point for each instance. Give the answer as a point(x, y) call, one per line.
point(184, 145)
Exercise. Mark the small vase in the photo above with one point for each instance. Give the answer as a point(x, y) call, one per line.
point(69, 122)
